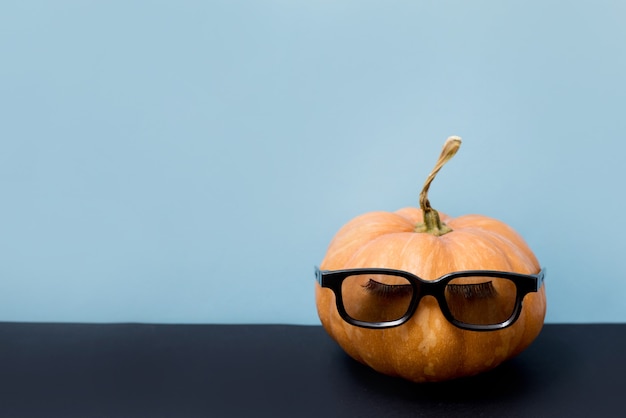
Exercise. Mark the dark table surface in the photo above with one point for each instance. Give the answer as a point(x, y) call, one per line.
point(142, 370)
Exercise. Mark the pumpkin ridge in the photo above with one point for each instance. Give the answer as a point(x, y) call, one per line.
point(485, 223)
point(359, 231)
point(513, 253)
point(368, 254)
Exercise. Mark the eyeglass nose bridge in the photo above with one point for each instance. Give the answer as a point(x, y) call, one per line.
point(429, 292)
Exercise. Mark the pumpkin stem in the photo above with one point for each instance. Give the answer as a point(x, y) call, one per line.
point(432, 223)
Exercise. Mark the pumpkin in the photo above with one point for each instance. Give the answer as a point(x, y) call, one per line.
point(430, 244)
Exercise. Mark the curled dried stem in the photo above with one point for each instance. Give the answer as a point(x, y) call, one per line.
point(432, 223)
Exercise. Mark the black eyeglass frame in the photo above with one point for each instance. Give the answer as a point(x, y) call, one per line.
point(524, 283)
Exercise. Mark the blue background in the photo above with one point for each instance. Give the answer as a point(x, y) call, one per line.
point(190, 161)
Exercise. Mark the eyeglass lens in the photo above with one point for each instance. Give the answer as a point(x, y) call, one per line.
point(481, 300)
point(376, 297)
point(471, 300)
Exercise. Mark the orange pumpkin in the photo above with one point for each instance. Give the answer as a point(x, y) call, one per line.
point(428, 244)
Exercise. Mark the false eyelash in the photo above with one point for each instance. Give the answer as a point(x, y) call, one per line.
point(388, 290)
point(473, 290)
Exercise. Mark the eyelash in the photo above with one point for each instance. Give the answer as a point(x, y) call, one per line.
point(472, 291)
point(468, 291)
point(388, 290)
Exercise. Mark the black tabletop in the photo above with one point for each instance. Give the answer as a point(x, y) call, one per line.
point(141, 370)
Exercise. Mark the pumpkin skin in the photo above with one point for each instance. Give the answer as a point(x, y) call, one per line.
point(427, 347)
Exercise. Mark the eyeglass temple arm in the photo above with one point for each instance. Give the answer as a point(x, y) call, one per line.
point(540, 278)
point(318, 275)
